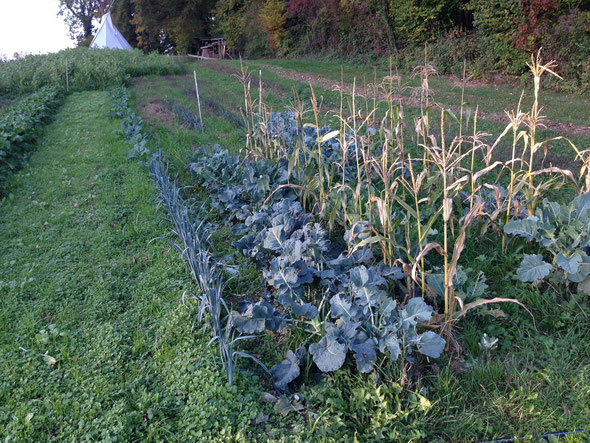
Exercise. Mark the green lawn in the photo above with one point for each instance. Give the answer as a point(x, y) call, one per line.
point(95, 342)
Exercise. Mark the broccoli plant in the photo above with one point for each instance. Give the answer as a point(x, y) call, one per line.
point(367, 320)
point(337, 292)
point(563, 231)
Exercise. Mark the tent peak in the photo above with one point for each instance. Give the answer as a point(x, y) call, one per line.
point(108, 36)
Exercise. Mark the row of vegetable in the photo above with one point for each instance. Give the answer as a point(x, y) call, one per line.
point(49, 76)
point(20, 126)
point(343, 224)
point(81, 69)
point(302, 259)
point(343, 296)
point(344, 218)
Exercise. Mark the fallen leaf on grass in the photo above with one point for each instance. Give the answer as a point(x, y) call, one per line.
point(49, 360)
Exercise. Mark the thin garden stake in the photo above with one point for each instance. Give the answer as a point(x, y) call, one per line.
point(67, 77)
point(199, 102)
point(260, 93)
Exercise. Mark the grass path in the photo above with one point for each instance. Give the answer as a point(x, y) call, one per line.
point(93, 339)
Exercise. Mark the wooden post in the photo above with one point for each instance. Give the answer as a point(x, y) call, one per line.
point(260, 92)
point(67, 77)
point(199, 102)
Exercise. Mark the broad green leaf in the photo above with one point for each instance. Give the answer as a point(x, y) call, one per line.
point(247, 325)
point(430, 344)
point(533, 268)
point(341, 307)
point(415, 311)
point(569, 264)
point(285, 372)
point(365, 355)
point(437, 283)
point(359, 276)
point(526, 228)
point(328, 354)
point(584, 286)
point(581, 204)
point(391, 341)
point(284, 406)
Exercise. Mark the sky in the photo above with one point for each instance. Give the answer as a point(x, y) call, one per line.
point(32, 26)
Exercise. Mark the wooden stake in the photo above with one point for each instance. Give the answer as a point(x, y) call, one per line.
point(67, 77)
point(260, 93)
point(199, 102)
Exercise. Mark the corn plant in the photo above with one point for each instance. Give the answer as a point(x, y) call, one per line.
point(412, 200)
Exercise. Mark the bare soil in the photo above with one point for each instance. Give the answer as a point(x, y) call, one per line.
point(155, 112)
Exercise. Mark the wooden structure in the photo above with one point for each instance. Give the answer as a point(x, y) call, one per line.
point(214, 48)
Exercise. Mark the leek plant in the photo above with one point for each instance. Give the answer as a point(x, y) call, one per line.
point(194, 249)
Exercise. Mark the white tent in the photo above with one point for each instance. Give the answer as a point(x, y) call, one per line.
point(108, 36)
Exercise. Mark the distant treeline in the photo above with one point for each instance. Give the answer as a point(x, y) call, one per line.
point(493, 35)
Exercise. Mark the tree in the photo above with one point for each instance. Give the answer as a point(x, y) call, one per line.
point(229, 21)
point(272, 19)
point(165, 24)
point(78, 15)
point(122, 13)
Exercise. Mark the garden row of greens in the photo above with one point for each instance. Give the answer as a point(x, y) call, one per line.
point(87, 69)
point(300, 255)
point(193, 244)
point(361, 289)
point(362, 286)
point(21, 124)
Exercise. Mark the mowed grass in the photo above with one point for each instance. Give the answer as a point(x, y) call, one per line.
point(95, 342)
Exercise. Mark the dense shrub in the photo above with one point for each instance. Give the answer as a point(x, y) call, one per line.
point(417, 21)
point(272, 21)
point(492, 35)
point(568, 42)
point(346, 28)
point(495, 22)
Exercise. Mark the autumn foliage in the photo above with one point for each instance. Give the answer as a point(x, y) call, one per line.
point(272, 21)
point(492, 35)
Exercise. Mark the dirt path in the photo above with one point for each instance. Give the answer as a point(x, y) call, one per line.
point(276, 88)
point(326, 83)
point(316, 80)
